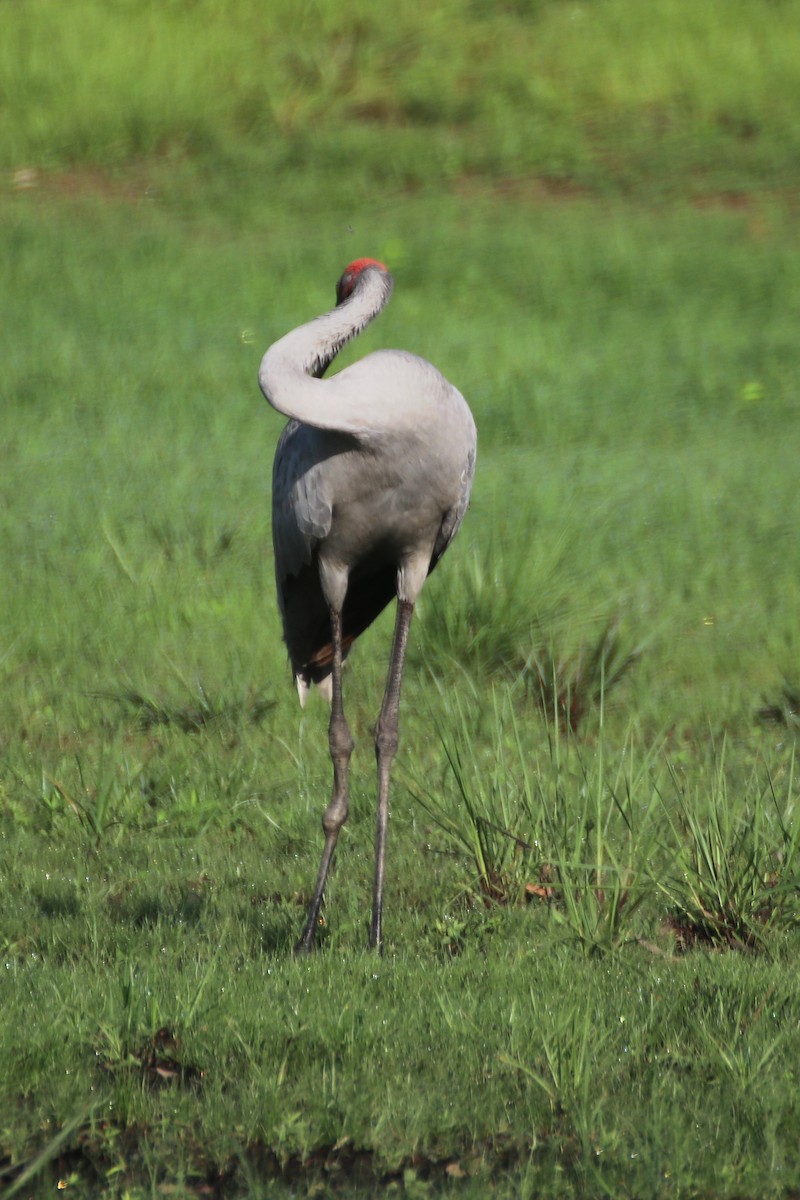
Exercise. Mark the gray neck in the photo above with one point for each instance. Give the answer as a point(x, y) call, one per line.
point(311, 349)
point(291, 370)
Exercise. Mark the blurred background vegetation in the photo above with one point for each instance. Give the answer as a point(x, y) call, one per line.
point(669, 97)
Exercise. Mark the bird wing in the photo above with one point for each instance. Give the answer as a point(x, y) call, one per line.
point(301, 509)
point(455, 515)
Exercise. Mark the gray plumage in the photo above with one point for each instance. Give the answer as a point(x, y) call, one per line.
point(371, 481)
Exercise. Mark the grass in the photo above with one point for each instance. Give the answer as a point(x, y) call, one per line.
point(580, 95)
point(592, 909)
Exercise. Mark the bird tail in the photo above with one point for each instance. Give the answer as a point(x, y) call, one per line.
point(303, 681)
point(319, 670)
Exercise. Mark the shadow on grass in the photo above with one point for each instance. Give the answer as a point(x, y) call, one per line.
point(274, 923)
point(150, 713)
point(57, 902)
point(185, 906)
point(78, 1153)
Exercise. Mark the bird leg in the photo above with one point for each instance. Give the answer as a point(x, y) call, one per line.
point(386, 741)
point(341, 744)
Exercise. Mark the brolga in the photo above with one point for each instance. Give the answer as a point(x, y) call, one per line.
point(371, 480)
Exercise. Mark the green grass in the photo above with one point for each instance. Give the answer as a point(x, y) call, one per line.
point(593, 892)
point(608, 96)
point(161, 792)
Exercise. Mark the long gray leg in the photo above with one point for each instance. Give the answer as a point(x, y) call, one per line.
point(341, 744)
point(386, 740)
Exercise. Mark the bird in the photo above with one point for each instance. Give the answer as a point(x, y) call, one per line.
point(371, 480)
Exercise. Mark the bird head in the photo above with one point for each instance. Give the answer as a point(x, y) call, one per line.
point(352, 274)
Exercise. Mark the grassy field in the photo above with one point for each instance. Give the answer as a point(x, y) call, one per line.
point(589, 985)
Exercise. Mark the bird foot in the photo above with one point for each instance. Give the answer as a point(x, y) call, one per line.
point(305, 945)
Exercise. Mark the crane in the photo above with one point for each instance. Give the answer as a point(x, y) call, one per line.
point(371, 480)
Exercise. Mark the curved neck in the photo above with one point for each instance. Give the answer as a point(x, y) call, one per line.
point(291, 371)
